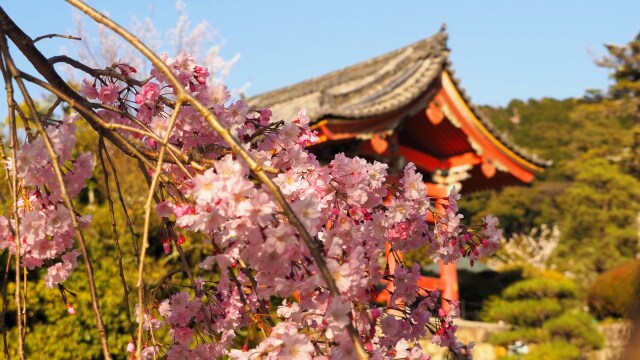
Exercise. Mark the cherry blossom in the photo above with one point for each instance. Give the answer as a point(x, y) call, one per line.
point(253, 252)
point(45, 224)
point(108, 94)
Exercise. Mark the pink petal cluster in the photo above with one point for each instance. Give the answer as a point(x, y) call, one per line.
point(149, 93)
point(61, 271)
point(253, 253)
point(341, 204)
point(46, 231)
point(109, 94)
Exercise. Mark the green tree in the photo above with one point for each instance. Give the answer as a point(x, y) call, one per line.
point(599, 215)
point(624, 61)
point(542, 310)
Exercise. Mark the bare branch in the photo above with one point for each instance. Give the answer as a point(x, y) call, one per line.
point(49, 36)
point(14, 195)
point(94, 72)
point(5, 280)
point(147, 219)
point(125, 288)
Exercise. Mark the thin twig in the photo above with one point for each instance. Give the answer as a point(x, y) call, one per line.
point(53, 107)
point(25, 121)
point(5, 280)
point(114, 228)
point(254, 284)
point(234, 279)
point(24, 298)
point(14, 195)
point(122, 203)
point(94, 72)
point(170, 230)
point(147, 220)
point(49, 36)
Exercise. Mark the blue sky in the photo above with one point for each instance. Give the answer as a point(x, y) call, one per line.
point(500, 49)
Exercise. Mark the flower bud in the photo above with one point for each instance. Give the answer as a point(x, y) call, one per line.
point(131, 347)
point(166, 246)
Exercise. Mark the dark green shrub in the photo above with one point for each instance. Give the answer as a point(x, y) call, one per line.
point(540, 288)
point(557, 350)
point(521, 312)
point(575, 328)
point(542, 308)
point(613, 293)
point(526, 335)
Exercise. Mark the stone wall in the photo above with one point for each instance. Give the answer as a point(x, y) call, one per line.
point(615, 336)
point(615, 339)
point(468, 331)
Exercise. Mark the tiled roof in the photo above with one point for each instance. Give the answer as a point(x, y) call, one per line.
point(375, 87)
point(370, 88)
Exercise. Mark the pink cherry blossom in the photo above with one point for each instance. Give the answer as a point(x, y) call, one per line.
point(109, 94)
point(88, 90)
point(249, 250)
point(149, 93)
point(61, 271)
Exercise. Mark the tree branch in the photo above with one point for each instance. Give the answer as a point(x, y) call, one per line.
point(125, 288)
point(14, 195)
point(236, 147)
point(49, 36)
point(65, 196)
point(147, 219)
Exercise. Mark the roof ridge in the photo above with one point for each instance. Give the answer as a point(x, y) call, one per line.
point(436, 43)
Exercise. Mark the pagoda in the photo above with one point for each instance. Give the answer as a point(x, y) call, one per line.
point(407, 106)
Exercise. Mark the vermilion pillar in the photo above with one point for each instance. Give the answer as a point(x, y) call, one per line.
point(448, 272)
point(449, 281)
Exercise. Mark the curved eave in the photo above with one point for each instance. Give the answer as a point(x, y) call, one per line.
point(492, 148)
point(495, 132)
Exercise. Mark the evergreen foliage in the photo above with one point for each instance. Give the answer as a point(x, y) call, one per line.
point(541, 288)
point(556, 350)
point(600, 212)
point(592, 191)
point(543, 310)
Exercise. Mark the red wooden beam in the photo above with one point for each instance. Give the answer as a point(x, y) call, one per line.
point(430, 163)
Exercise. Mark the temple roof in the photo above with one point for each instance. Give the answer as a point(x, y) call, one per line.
point(380, 87)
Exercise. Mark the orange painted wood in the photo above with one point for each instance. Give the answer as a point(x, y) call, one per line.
point(434, 114)
point(379, 144)
point(449, 280)
point(429, 163)
point(491, 150)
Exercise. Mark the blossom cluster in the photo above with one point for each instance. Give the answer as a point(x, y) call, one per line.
point(45, 226)
point(350, 207)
